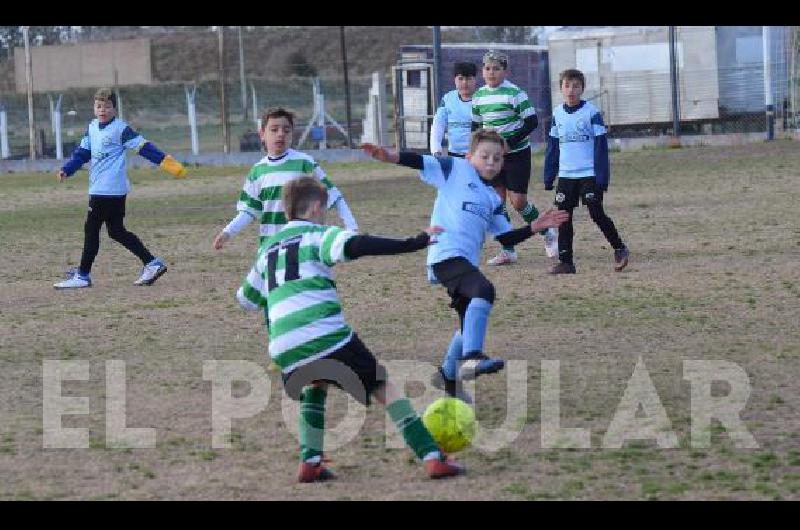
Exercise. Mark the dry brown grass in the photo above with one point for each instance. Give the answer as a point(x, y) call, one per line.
point(715, 242)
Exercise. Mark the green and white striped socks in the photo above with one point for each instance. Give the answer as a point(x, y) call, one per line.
point(529, 212)
point(408, 422)
point(312, 424)
point(414, 431)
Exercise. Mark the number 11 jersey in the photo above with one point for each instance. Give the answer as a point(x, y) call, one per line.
point(293, 282)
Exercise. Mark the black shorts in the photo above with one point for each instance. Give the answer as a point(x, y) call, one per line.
point(352, 368)
point(516, 172)
point(569, 191)
point(463, 281)
point(106, 208)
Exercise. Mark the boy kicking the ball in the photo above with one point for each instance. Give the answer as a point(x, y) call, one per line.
point(466, 207)
point(104, 143)
point(292, 282)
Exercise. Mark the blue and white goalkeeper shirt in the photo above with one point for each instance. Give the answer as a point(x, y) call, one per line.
point(105, 144)
point(577, 145)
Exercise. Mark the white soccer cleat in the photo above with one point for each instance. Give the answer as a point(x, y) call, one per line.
point(478, 364)
point(551, 243)
point(504, 258)
point(151, 272)
point(74, 281)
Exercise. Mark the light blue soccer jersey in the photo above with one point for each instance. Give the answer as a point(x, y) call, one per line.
point(576, 134)
point(458, 116)
point(466, 207)
point(107, 143)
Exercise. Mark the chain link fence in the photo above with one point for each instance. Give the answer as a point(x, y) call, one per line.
point(281, 67)
point(282, 63)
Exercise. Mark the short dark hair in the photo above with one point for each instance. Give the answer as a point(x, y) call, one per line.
point(467, 69)
point(299, 194)
point(106, 94)
point(569, 74)
point(276, 112)
point(485, 135)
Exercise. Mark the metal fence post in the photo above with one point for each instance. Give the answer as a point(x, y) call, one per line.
point(770, 108)
point(673, 76)
point(3, 133)
point(57, 129)
point(192, 111)
point(29, 79)
point(226, 138)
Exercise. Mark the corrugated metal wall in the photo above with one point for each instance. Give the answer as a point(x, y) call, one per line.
point(741, 67)
point(628, 75)
point(720, 72)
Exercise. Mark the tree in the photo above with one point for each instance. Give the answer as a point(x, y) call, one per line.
point(297, 64)
point(11, 36)
point(507, 34)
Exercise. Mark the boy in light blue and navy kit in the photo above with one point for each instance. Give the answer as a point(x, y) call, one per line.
point(577, 153)
point(467, 207)
point(104, 143)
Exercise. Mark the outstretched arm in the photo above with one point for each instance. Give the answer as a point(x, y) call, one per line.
point(133, 140)
point(165, 161)
point(81, 155)
point(434, 170)
point(550, 219)
point(364, 245)
point(404, 158)
point(381, 153)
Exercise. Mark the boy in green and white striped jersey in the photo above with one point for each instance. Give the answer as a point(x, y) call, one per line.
point(504, 107)
point(309, 339)
point(260, 198)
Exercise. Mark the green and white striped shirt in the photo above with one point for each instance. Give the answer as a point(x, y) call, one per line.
point(503, 108)
point(261, 194)
point(293, 282)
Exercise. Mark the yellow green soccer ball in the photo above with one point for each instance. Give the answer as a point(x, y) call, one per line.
point(451, 422)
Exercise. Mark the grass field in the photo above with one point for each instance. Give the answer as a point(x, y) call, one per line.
point(715, 241)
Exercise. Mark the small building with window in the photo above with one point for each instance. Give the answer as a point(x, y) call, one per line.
point(414, 91)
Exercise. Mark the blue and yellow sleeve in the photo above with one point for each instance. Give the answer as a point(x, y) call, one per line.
point(133, 140)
